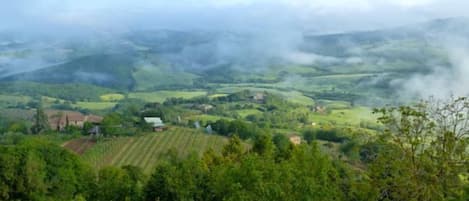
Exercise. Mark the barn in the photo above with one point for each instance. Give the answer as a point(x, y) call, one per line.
point(156, 123)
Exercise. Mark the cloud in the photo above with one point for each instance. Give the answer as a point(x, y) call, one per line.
point(121, 15)
point(442, 81)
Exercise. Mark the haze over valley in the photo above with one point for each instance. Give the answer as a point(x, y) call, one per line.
point(234, 100)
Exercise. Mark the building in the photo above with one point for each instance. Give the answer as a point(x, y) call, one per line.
point(209, 129)
point(156, 123)
point(258, 97)
point(95, 131)
point(59, 119)
point(295, 139)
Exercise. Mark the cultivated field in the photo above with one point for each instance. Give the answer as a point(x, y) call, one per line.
point(147, 150)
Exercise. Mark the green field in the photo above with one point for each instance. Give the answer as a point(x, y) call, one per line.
point(147, 150)
point(112, 97)
point(352, 116)
point(161, 96)
point(96, 105)
point(11, 100)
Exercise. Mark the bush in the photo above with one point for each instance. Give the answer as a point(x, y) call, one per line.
point(332, 135)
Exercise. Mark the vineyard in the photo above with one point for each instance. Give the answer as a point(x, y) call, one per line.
point(147, 150)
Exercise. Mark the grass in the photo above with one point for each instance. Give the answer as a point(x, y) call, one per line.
point(12, 100)
point(112, 97)
point(247, 112)
point(161, 96)
point(208, 117)
point(351, 116)
point(148, 150)
point(217, 95)
point(96, 105)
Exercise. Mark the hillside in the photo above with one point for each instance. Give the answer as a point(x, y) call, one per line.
point(363, 65)
point(113, 71)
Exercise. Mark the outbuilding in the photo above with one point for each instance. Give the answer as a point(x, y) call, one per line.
point(156, 123)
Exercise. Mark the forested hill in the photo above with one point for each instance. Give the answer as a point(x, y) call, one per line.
point(195, 59)
point(112, 71)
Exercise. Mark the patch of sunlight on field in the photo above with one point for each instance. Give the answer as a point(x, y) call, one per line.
point(111, 97)
point(353, 116)
point(247, 112)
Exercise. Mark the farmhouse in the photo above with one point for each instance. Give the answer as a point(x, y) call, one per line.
point(258, 97)
point(295, 139)
point(204, 107)
point(156, 123)
point(59, 119)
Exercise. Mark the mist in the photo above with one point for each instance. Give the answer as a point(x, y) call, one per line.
point(443, 81)
point(248, 35)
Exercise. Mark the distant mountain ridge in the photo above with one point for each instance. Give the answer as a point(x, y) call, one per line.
point(189, 58)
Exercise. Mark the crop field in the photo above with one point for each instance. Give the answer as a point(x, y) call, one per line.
point(79, 146)
point(161, 96)
point(147, 150)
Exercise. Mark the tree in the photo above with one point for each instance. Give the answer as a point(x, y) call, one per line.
point(112, 124)
point(41, 123)
point(234, 149)
point(309, 136)
point(425, 155)
point(37, 170)
point(263, 145)
point(119, 184)
point(283, 145)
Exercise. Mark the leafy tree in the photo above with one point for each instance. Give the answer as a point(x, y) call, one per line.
point(36, 170)
point(119, 184)
point(41, 123)
point(234, 149)
point(283, 146)
point(263, 145)
point(425, 155)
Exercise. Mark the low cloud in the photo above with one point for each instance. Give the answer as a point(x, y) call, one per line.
point(442, 81)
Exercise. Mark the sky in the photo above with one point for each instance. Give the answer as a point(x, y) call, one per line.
point(317, 16)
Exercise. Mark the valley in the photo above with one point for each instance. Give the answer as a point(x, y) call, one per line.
point(220, 115)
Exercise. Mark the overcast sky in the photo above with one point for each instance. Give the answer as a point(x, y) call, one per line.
point(308, 15)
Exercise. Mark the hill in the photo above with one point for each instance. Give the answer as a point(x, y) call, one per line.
point(364, 65)
point(113, 71)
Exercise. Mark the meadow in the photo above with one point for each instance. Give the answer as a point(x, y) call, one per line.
point(161, 96)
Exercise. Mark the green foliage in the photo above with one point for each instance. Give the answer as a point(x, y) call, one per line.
point(307, 175)
point(263, 145)
point(327, 134)
point(41, 123)
point(119, 184)
point(114, 124)
point(425, 155)
point(67, 91)
point(34, 170)
point(240, 128)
